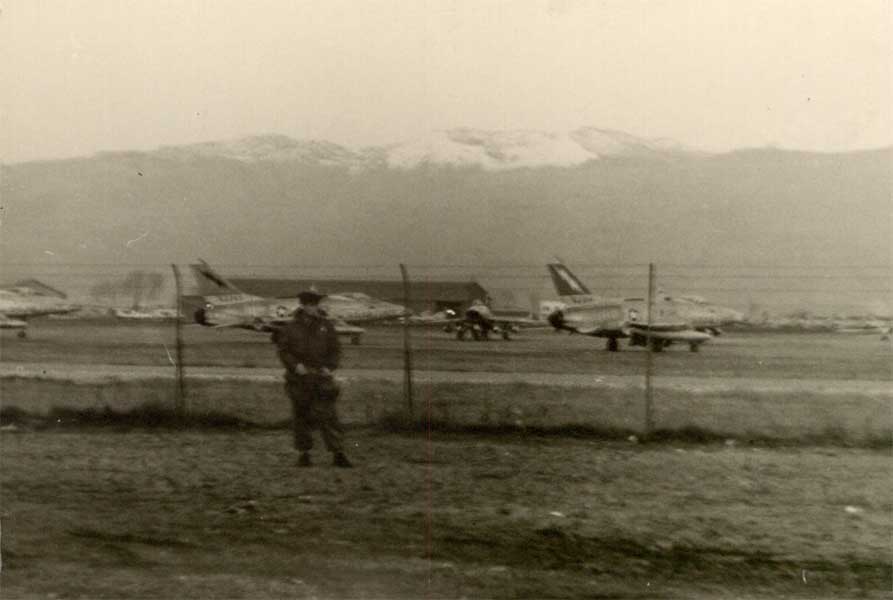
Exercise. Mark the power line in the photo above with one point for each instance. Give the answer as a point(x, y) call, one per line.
point(360, 271)
point(473, 266)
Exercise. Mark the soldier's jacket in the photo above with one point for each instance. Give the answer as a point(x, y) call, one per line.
point(309, 340)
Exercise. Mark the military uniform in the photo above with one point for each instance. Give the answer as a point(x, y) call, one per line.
point(311, 341)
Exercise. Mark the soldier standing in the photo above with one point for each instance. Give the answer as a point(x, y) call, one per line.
point(309, 350)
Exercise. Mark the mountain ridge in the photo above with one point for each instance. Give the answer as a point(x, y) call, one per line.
point(464, 146)
point(751, 206)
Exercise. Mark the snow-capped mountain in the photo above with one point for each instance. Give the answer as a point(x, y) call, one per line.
point(523, 149)
point(489, 150)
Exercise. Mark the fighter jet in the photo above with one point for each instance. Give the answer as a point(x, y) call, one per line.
point(614, 319)
point(228, 306)
point(29, 299)
point(479, 321)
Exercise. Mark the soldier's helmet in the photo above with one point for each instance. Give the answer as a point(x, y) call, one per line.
point(310, 296)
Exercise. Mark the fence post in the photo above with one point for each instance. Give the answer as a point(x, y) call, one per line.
point(649, 359)
point(407, 347)
point(181, 382)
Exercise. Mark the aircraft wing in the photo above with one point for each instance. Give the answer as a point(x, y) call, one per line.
point(434, 322)
point(342, 328)
point(596, 331)
point(687, 335)
point(663, 335)
point(8, 323)
point(519, 321)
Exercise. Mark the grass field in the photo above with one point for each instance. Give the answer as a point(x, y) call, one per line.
point(783, 416)
point(788, 417)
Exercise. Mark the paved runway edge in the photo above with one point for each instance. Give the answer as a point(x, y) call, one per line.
point(106, 373)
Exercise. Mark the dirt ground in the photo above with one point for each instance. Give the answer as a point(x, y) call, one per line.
point(93, 513)
point(106, 513)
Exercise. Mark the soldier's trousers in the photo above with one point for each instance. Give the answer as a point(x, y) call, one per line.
point(313, 407)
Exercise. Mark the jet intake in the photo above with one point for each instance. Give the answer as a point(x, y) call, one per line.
point(474, 315)
point(556, 320)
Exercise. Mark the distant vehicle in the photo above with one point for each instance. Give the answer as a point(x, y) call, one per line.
point(478, 322)
point(228, 306)
point(615, 319)
point(25, 300)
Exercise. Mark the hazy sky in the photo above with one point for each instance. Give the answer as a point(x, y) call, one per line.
point(88, 75)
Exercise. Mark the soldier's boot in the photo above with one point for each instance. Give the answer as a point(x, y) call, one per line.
point(340, 460)
point(304, 460)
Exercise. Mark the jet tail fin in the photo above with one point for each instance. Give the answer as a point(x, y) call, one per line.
point(210, 282)
point(565, 282)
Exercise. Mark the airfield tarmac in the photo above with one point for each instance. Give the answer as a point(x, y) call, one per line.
point(99, 512)
point(748, 357)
